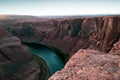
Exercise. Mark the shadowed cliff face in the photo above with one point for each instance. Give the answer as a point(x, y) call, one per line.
point(16, 62)
point(70, 35)
point(116, 48)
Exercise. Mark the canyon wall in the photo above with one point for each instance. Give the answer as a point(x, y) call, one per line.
point(98, 33)
point(16, 61)
point(69, 35)
point(72, 34)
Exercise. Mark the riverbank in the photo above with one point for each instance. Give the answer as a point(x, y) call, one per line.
point(44, 68)
point(51, 56)
point(64, 56)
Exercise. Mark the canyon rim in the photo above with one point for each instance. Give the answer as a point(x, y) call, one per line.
point(89, 47)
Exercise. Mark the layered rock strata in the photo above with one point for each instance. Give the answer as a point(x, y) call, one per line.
point(70, 35)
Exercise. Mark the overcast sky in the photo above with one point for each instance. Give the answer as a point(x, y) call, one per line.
point(59, 7)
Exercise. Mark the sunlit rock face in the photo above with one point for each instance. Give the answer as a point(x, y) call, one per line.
point(16, 62)
point(90, 65)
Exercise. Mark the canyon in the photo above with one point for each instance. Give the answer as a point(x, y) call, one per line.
point(69, 34)
point(88, 46)
point(49, 55)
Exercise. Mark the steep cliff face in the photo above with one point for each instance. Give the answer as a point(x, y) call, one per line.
point(16, 62)
point(90, 65)
point(99, 33)
point(116, 48)
point(70, 35)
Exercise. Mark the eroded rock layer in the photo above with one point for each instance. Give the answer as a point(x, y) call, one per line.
point(16, 61)
point(71, 34)
point(116, 48)
point(90, 65)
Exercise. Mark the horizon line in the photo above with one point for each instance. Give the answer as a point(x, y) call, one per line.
point(60, 15)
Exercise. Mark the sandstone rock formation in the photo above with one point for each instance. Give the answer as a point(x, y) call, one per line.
point(72, 34)
point(98, 33)
point(69, 35)
point(116, 48)
point(90, 65)
point(16, 61)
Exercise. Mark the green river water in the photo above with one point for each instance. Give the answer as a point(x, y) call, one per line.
point(53, 61)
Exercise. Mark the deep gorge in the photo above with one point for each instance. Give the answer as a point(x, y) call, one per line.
point(50, 56)
point(34, 50)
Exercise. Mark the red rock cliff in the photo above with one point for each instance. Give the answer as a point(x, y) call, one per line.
point(72, 34)
point(98, 33)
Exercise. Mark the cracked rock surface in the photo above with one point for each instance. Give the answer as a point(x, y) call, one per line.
point(90, 65)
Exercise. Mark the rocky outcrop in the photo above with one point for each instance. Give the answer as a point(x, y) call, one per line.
point(90, 65)
point(116, 48)
point(72, 34)
point(16, 61)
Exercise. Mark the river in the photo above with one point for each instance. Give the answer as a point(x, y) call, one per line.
point(53, 61)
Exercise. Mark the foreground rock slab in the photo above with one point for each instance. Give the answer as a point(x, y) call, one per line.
point(90, 65)
point(16, 62)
